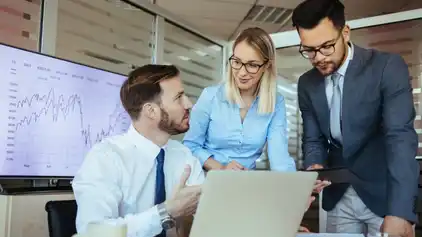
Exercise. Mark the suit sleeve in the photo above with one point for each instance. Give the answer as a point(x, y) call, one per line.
point(313, 142)
point(401, 139)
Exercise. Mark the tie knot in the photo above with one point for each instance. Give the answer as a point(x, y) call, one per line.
point(336, 78)
point(160, 157)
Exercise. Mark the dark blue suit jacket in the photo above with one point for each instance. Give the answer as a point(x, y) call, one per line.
point(379, 140)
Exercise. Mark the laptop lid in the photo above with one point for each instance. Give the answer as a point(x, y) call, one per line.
point(252, 203)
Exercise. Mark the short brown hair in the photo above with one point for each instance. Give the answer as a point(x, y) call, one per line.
point(143, 85)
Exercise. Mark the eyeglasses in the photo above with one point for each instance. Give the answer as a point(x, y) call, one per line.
point(250, 67)
point(326, 50)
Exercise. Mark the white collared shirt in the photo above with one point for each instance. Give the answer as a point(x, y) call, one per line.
point(342, 71)
point(116, 182)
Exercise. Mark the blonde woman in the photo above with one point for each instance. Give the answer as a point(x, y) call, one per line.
point(231, 122)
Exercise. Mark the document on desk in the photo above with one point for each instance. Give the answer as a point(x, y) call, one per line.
point(328, 235)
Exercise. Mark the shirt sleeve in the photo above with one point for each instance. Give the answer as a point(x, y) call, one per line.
point(277, 140)
point(197, 176)
point(195, 137)
point(98, 194)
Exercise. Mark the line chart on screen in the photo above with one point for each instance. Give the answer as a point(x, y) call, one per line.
point(56, 111)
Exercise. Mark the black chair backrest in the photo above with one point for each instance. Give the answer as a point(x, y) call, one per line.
point(61, 216)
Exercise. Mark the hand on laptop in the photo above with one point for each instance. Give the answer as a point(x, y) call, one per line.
point(185, 198)
point(315, 167)
point(234, 165)
point(319, 184)
point(303, 229)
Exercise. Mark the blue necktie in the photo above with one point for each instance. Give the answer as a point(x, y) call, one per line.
point(160, 189)
point(335, 110)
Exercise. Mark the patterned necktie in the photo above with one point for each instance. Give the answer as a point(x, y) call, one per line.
point(160, 189)
point(335, 111)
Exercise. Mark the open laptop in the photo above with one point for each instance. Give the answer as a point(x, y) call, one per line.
point(252, 204)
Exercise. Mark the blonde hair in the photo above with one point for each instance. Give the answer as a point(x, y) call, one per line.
point(261, 41)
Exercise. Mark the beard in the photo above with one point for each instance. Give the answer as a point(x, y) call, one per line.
point(328, 67)
point(170, 126)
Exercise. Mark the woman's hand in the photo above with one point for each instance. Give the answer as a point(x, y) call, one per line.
point(233, 165)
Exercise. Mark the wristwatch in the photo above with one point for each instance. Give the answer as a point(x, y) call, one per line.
point(167, 221)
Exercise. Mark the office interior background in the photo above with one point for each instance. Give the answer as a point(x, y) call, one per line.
point(196, 36)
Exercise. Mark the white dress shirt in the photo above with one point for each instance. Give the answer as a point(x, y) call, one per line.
point(342, 72)
point(116, 182)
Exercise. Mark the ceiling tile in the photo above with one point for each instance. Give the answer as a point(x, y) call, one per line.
point(234, 11)
point(219, 28)
point(290, 4)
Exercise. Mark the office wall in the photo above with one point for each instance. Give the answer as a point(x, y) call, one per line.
point(199, 59)
point(20, 23)
point(111, 35)
point(289, 90)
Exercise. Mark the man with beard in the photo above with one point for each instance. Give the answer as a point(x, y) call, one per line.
point(357, 111)
point(142, 178)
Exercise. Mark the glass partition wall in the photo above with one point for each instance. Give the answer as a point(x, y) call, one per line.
point(402, 37)
point(116, 35)
point(20, 23)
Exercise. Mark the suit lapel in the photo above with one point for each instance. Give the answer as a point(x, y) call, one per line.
point(350, 91)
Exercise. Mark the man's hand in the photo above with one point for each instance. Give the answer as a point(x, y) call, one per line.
point(303, 229)
point(234, 165)
point(319, 184)
point(315, 167)
point(185, 198)
point(396, 226)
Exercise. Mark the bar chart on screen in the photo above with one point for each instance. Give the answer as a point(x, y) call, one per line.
point(56, 111)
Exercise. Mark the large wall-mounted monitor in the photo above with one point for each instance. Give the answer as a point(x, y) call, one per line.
point(52, 112)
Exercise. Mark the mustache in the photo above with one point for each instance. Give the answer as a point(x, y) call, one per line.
point(323, 63)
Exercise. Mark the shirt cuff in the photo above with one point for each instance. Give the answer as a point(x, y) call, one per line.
point(202, 155)
point(155, 227)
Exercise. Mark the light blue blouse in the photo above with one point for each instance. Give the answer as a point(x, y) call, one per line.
point(216, 131)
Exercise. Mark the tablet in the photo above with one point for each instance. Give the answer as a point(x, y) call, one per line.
point(335, 175)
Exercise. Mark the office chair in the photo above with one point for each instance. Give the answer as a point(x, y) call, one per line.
point(61, 216)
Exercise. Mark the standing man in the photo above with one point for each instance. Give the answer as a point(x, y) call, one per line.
point(357, 110)
point(142, 178)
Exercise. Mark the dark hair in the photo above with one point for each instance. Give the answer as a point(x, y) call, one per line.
point(143, 85)
point(309, 13)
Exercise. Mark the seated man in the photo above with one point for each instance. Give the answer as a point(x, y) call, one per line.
point(141, 178)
